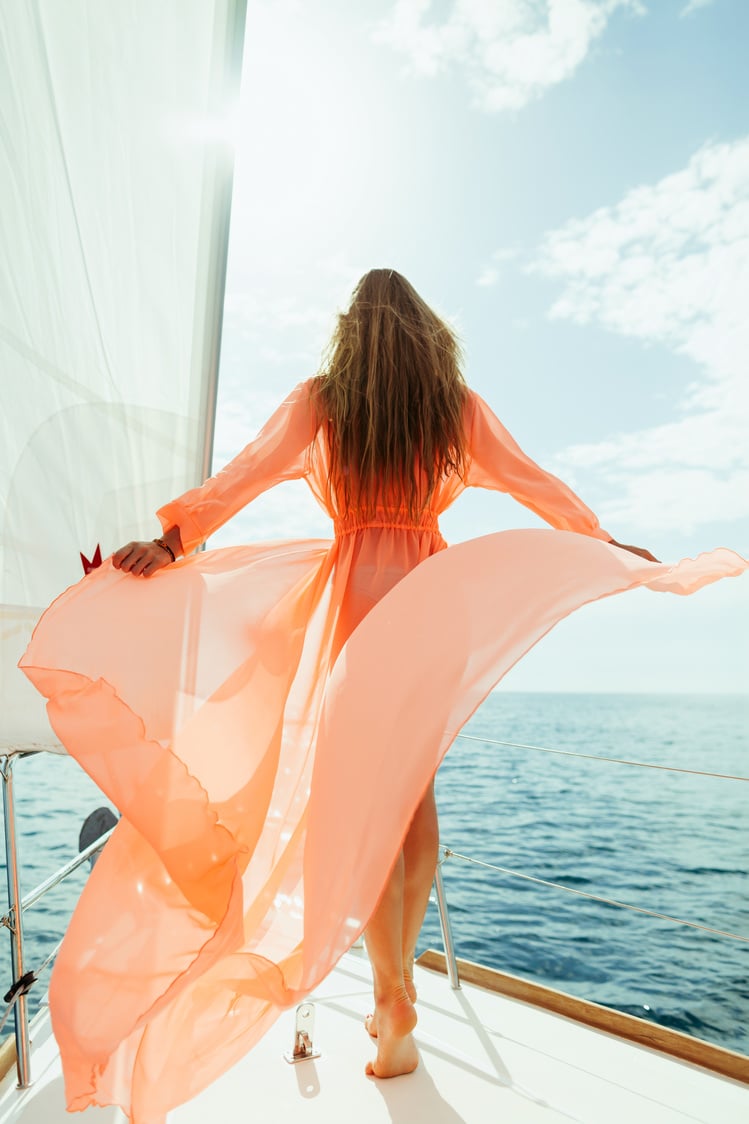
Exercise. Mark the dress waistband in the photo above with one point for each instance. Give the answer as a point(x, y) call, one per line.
point(348, 525)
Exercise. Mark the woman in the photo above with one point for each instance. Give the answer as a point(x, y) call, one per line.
point(272, 748)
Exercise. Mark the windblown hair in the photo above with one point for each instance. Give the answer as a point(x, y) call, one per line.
point(390, 396)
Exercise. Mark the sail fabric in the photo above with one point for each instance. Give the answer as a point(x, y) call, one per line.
point(114, 197)
point(267, 718)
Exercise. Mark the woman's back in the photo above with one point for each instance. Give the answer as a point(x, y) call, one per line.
point(389, 401)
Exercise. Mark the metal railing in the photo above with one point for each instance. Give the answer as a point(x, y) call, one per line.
point(448, 853)
point(23, 980)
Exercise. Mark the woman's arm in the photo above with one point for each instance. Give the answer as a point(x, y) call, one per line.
point(279, 452)
point(498, 462)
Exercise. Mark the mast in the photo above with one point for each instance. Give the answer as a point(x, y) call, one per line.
point(231, 51)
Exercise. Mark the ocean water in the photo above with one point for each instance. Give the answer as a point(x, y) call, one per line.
point(667, 842)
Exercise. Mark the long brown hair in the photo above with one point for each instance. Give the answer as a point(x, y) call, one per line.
point(390, 397)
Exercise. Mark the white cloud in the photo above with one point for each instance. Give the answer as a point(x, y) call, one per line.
point(695, 6)
point(286, 312)
point(510, 53)
point(489, 276)
point(492, 272)
point(258, 315)
point(669, 264)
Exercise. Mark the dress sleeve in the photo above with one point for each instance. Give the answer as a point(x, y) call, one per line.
point(498, 462)
point(279, 452)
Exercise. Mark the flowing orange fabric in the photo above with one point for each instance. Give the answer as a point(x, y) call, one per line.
point(266, 719)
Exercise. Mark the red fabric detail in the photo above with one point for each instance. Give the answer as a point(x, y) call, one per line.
point(95, 561)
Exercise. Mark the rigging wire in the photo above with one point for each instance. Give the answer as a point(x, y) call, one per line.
point(598, 757)
point(450, 854)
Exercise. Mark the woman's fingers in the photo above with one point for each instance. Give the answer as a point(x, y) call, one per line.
point(141, 559)
point(140, 562)
point(127, 556)
point(155, 563)
point(119, 556)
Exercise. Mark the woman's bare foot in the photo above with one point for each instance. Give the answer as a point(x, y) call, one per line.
point(396, 1049)
point(370, 1021)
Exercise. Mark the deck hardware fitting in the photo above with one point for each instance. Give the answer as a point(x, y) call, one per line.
point(305, 1023)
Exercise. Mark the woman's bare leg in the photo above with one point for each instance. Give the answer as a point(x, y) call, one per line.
point(420, 850)
point(394, 1011)
point(391, 943)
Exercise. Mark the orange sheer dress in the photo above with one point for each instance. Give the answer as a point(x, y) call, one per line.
point(266, 719)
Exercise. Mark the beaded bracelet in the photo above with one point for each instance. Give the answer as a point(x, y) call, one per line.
point(166, 546)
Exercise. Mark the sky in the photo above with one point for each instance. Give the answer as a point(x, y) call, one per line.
point(567, 182)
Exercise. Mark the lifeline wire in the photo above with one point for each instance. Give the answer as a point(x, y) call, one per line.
point(596, 757)
point(24, 990)
point(449, 854)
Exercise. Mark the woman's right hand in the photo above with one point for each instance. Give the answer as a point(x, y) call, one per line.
point(141, 558)
point(639, 550)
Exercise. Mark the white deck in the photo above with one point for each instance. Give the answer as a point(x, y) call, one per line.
point(485, 1058)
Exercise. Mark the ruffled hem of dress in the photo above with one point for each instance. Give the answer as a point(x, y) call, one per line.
point(408, 678)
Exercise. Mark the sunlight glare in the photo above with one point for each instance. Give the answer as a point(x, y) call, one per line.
point(300, 135)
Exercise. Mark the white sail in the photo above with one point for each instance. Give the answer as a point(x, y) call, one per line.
point(115, 184)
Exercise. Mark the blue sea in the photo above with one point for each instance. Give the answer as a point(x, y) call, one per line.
point(673, 843)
